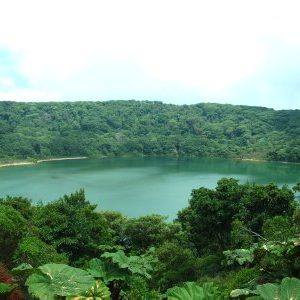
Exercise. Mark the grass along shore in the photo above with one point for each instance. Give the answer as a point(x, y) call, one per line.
point(22, 163)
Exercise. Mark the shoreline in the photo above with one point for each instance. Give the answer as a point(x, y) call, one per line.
point(61, 158)
point(24, 163)
point(264, 160)
point(253, 159)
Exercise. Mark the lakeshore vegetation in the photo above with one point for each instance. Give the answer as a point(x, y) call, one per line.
point(33, 131)
point(237, 241)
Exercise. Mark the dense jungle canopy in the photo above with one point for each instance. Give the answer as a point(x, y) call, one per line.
point(116, 128)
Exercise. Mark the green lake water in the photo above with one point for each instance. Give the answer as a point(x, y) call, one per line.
point(136, 186)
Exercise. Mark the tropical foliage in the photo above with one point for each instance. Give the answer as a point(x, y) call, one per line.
point(58, 280)
point(289, 289)
point(192, 291)
point(235, 241)
point(93, 129)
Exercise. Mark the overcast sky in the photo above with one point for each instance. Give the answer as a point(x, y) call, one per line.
point(183, 52)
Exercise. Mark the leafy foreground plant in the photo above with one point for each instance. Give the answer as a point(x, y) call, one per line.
point(289, 289)
point(117, 270)
point(241, 256)
point(107, 272)
point(55, 281)
point(192, 291)
point(141, 265)
point(59, 280)
point(275, 259)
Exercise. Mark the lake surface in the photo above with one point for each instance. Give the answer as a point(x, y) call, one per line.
point(136, 186)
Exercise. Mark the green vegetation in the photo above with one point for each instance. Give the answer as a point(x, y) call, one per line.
point(237, 241)
point(58, 280)
point(30, 131)
point(190, 290)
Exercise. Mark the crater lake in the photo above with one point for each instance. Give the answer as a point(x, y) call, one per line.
point(137, 186)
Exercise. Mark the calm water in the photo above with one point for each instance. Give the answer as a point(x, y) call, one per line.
point(136, 186)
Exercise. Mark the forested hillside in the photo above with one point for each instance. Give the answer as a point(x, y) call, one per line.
point(94, 129)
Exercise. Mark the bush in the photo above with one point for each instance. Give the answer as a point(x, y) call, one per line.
point(176, 264)
point(33, 251)
point(209, 265)
point(243, 278)
point(278, 228)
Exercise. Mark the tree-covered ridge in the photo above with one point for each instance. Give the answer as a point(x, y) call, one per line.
point(94, 129)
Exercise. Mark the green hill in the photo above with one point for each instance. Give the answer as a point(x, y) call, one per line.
point(113, 128)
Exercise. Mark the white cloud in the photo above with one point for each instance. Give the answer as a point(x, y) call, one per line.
point(206, 47)
point(7, 83)
point(27, 95)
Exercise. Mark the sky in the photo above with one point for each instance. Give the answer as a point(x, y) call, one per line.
point(234, 51)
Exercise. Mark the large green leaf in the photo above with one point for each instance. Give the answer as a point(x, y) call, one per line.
point(97, 268)
point(59, 280)
point(268, 291)
point(135, 264)
point(106, 271)
point(189, 291)
point(289, 289)
point(118, 257)
point(210, 291)
point(192, 291)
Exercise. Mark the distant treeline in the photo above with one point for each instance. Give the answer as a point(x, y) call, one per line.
point(115, 128)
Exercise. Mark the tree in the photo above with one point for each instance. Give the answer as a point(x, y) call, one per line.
point(35, 252)
point(176, 264)
point(278, 228)
point(72, 226)
point(21, 204)
point(261, 202)
point(152, 230)
point(12, 228)
point(210, 214)
point(116, 223)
